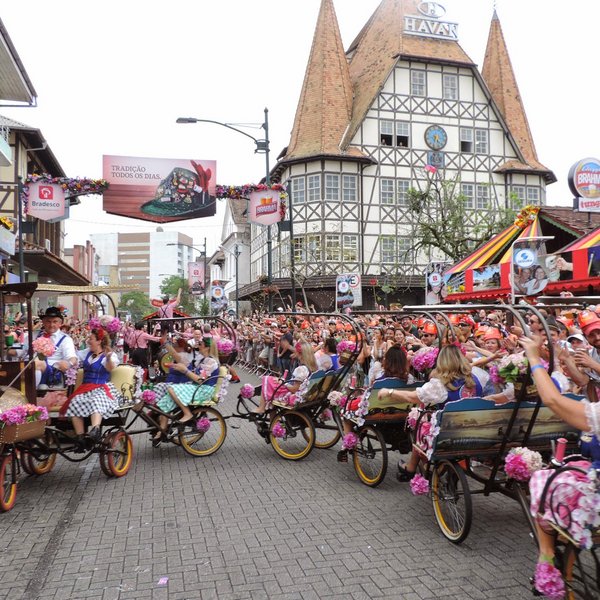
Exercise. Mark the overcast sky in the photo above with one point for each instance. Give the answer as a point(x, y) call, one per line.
point(113, 76)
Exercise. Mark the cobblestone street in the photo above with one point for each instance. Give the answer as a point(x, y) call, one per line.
point(245, 523)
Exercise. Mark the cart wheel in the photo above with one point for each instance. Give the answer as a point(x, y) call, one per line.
point(24, 462)
point(451, 499)
point(370, 456)
point(118, 455)
point(327, 433)
point(39, 466)
point(8, 482)
point(204, 443)
point(298, 436)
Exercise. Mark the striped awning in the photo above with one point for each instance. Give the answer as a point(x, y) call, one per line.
point(485, 254)
point(587, 241)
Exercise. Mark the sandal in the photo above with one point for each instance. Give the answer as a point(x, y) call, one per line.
point(404, 475)
point(342, 456)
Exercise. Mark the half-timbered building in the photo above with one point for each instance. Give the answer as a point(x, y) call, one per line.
point(403, 96)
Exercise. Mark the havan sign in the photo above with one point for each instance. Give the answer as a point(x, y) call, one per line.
point(429, 23)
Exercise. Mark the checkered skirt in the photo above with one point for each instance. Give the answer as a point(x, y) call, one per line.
point(185, 392)
point(95, 401)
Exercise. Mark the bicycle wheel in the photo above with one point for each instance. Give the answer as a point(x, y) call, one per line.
point(118, 455)
point(294, 435)
point(452, 504)
point(370, 456)
point(8, 482)
point(44, 459)
point(581, 580)
point(327, 433)
point(203, 438)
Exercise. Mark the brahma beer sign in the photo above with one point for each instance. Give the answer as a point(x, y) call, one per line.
point(46, 201)
point(584, 181)
point(264, 207)
point(159, 189)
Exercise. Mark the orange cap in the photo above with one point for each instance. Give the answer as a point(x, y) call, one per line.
point(305, 325)
point(454, 319)
point(481, 330)
point(492, 333)
point(429, 327)
point(588, 321)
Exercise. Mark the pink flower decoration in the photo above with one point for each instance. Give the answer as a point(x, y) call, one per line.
point(516, 468)
point(94, 323)
point(43, 346)
point(203, 424)
point(326, 415)
point(350, 441)
point(247, 391)
point(149, 396)
point(549, 581)
point(278, 430)
point(419, 486)
point(495, 376)
point(225, 346)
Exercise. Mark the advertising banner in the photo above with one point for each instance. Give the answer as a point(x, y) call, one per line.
point(348, 291)
point(486, 278)
point(264, 207)
point(435, 288)
point(196, 280)
point(218, 299)
point(46, 201)
point(529, 274)
point(159, 189)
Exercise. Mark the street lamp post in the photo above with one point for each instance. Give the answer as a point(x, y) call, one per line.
point(262, 147)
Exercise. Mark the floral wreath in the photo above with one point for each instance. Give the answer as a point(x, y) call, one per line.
point(78, 186)
point(527, 215)
point(7, 223)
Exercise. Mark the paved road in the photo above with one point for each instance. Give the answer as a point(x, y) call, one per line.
point(244, 523)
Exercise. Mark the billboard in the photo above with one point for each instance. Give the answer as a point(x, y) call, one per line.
point(265, 207)
point(529, 275)
point(196, 280)
point(435, 288)
point(159, 189)
point(348, 291)
point(46, 201)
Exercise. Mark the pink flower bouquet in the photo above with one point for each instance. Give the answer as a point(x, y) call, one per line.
point(43, 347)
point(278, 430)
point(247, 391)
point(548, 581)
point(149, 396)
point(349, 441)
point(419, 486)
point(23, 413)
point(225, 346)
point(203, 425)
point(521, 463)
point(346, 346)
point(424, 359)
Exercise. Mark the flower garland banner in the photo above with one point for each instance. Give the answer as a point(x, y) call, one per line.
point(267, 203)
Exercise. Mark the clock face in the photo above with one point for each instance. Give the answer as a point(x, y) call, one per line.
point(436, 137)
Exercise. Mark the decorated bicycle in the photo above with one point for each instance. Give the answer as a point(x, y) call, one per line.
point(291, 411)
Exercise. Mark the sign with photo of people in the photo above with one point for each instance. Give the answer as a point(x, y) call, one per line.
point(533, 269)
point(435, 286)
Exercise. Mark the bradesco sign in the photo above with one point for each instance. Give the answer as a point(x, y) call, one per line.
point(46, 201)
point(584, 181)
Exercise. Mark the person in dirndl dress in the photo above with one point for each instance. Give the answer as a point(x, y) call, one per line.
point(96, 397)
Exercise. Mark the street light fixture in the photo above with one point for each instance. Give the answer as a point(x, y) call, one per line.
point(262, 147)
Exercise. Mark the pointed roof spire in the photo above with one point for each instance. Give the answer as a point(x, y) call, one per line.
point(325, 103)
point(380, 44)
point(500, 79)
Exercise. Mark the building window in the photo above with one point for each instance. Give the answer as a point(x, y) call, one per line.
point(483, 197)
point(386, 191)
point(402, 187)
point(314, 188)
point(466, 140)
point(481, 141)
point(449, 87)
point(349, 188)
point(402, 134)
point(467, 190)
point(332, 187)
point(298, 190)
point(518, 196)
point(418, 83)
point(298, 249)
point(332, 248)
point(533, 195)
point(350, 248)
point(313, 247)
point(405, 249)
point(386, 133)
point(388, 249)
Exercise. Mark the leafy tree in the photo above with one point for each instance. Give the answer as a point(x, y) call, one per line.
point(137, 303)
point(443, 221)
point(189, 304)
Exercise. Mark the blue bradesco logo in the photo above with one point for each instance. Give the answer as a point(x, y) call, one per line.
point(433, 10)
